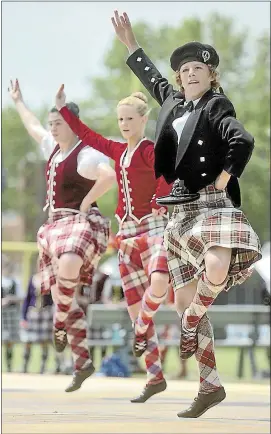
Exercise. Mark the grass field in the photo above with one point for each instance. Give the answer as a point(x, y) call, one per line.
point(227, 362)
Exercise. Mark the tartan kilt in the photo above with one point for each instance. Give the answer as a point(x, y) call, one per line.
point(210, 221)
point(10, 316)
point(39, 325)
point(141, 252)
point(66, 232)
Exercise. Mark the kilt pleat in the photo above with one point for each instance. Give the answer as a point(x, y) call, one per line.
point(64, 232)
point(10, 316)
point(141, 252)
point(210, 221)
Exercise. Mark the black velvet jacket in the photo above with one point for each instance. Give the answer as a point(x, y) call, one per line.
point(212, 138)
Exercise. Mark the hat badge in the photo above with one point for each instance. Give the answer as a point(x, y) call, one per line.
point(205, 55)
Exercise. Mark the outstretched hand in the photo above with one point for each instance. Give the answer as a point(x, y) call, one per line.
point(124, 31)
point(15, 91)
point(60, 98)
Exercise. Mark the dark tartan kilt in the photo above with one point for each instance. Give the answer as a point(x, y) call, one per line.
point(10, 323)
point(39, 325)
point(210, 221)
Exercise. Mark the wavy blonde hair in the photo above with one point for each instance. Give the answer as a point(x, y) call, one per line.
point(215, 84)
point(138, 100)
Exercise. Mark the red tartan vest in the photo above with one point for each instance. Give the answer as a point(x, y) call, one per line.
point(65, 187)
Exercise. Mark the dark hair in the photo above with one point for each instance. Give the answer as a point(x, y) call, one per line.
point(71, 106)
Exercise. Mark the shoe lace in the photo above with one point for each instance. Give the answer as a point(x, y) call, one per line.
point(60, 335)
point(191, 405)
point(141, 343)
point(188, 339)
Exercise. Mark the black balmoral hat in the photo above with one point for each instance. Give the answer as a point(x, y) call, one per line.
point(194, 51)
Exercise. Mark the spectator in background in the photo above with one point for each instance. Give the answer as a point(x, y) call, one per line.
point(11, 295)
point(37, 321)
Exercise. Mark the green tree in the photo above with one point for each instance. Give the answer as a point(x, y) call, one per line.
point(19, 152)
point(244, 78)
point(253, 109)
point(25, 188)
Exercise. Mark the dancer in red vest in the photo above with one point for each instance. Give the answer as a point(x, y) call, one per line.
point(75, 235)
point(142, 257)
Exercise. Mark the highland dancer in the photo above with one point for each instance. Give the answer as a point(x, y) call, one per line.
point(142, 257)
point(203, 148)
point(75, 235)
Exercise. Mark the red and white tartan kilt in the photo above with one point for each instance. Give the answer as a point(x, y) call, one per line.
point(210, 221)
point(64, 231)
point(141, 252)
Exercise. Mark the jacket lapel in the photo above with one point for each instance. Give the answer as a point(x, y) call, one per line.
point(190, 127)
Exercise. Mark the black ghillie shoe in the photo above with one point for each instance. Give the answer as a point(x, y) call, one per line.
point(202, 403)
point(79, 377)
point(150, 390)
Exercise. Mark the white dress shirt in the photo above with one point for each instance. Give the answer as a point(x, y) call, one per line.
point(179, 123)
point(87, 161)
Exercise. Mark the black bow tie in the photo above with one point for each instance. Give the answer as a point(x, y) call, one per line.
point(189, 107)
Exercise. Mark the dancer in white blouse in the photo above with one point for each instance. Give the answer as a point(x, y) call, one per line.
point(75, 235)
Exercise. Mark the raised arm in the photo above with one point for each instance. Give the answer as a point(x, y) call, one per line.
point(86, 134)
point(30, 121)
point(138, 61)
